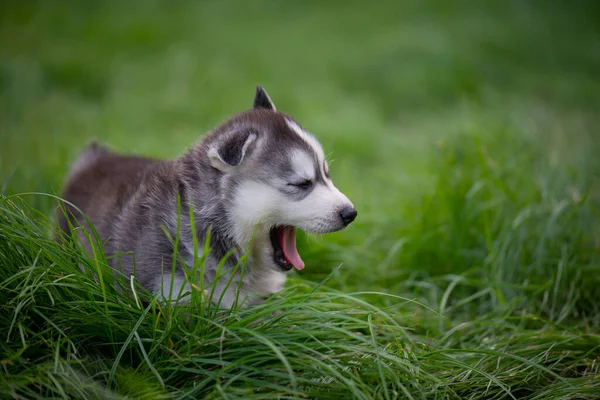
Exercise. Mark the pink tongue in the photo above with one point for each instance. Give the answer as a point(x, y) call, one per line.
point(287, 240)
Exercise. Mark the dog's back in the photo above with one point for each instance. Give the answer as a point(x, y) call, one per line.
point(99, 183)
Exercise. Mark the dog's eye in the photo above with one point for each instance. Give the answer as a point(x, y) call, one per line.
point(305, 184)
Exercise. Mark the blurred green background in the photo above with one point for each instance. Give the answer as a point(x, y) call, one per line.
point(383, 85)
point(465, 132)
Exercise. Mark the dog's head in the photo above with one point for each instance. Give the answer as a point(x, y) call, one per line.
point(274, 177)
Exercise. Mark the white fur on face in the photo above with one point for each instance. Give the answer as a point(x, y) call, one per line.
point(311, 140)
point(257, 203)
point(263, 205)
point(258, 206)
point(303, 164)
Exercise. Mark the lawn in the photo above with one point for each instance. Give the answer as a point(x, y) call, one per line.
point(465, 133)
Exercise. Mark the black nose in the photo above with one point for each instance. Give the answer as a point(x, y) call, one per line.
point(348, 214)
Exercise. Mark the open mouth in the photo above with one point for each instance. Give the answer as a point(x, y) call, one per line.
point(285, 253)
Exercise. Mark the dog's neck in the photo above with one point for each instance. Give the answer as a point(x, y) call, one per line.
point(211, 220)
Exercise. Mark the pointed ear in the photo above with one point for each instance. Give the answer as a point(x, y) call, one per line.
point(229, 150)
point(262, 99)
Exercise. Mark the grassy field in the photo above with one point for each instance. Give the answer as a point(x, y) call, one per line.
point(466, 134)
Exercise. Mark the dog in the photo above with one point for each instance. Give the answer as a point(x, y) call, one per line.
point(244, 188)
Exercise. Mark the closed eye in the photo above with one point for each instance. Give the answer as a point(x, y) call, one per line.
point(304, 185)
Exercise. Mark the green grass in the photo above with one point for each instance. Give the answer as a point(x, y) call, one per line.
point(465, 133)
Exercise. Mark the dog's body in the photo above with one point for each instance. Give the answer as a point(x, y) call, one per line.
point(250, 182)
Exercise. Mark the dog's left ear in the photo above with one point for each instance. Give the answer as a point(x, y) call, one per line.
point(262, 99)
point(228, 151)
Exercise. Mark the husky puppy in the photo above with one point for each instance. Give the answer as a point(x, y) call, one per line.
point(250, 183)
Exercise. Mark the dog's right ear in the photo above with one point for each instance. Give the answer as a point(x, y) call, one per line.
point(229, 150)
point(262, 99)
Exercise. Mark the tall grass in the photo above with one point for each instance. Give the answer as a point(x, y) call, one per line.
point(500, 304)
point(466, 134)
